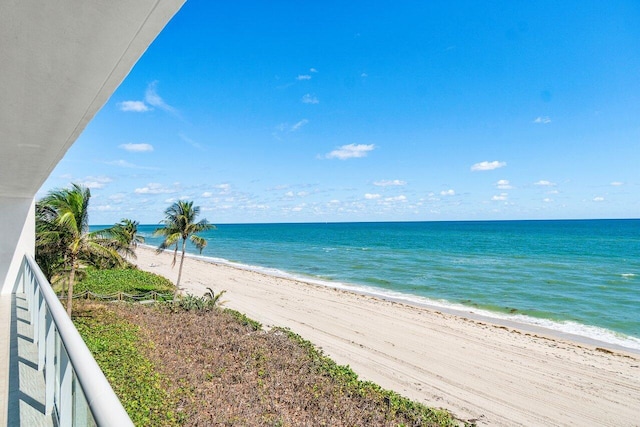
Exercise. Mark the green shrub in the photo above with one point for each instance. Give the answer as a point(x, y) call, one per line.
point(191, 302)
point(127, 280)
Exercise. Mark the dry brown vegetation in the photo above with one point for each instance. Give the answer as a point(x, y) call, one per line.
point(223, 372)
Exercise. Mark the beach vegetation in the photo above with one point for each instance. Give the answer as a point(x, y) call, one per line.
point(63, 239)
point(122, 280)
point(217, 367)
point(180, 226)
point(120, 350)
point(209, 301)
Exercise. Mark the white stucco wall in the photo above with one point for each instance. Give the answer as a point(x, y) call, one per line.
point(17, 228)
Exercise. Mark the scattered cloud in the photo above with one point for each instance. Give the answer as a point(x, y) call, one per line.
point(617, 183)
point(103, 208)
point(400, 198)
point(136, 148)
point(364, 75)
point(369, 196)
point(118, 197)
point(350, 151)
point(124, 164)
point(313, 70)
point(303, 77)
point(547, 200)
point(299, 125)
point(542, 119)
point(449, 192)
point(500, 197)
point(598, 199)
point(207, 194)
point(389, 183)
point(135, 106)
point(190, 141)
point(92, 182)
point(504, 184)
point(152, 98)
point(310, 99)
point(154, 188)
point(487, 166)
point(545, 183)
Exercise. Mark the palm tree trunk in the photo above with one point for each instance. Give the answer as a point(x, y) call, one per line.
point(72, 275)
point(184, 244)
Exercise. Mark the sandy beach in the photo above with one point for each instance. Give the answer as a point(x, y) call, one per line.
point(480, 371)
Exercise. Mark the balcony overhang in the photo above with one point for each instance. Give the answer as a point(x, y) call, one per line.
point(60, 62)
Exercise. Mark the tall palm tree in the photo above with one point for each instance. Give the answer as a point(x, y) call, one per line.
point(179, 225)
point(125, 237)
point(63, 221)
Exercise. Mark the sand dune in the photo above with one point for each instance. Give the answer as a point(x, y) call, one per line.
point(478, 370)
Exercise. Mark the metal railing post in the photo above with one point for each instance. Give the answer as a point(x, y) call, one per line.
point(49, 368)
point(65, 405)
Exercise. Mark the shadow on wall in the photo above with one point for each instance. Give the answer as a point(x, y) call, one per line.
point(18, 231)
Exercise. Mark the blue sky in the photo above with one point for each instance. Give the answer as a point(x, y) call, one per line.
point(373, 111)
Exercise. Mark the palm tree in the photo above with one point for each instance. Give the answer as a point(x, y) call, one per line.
point(125, 236)
point(180, 223)
point(63, 225)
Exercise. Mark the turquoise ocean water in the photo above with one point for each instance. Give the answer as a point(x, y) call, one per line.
point(578, 276)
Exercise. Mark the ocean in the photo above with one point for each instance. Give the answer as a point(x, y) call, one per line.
point(576, 276)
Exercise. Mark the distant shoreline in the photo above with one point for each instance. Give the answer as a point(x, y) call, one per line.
point(498, 374)
point(526, 324)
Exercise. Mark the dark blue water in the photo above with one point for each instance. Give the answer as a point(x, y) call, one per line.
point(576, 276)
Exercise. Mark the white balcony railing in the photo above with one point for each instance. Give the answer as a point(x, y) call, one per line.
point(77, 392)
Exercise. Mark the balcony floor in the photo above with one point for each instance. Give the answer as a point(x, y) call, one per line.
point(26, 391)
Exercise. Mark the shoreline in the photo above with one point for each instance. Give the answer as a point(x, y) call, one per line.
point(477, 368)
point(521, 322)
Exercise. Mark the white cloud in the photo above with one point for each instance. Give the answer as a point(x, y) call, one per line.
point(313, 70)
point(487, 166)
point(350, 151)
point(389, 183)
point(152, 98)
point(547, 200)
point(118, 197)
point(542, 119)
point(95, 181)
point(503, 184)
point(545, 183)
point(370, 196)
point(310, 99)
point(617, 183)
point(400, 198)
point(289, 194)
point(449, 192)
point(136, 106)
point(224, 188)
point(299, 125)
point(598, 199)
point(303, 77)
point(103, 208)
point(500, 197)
point(153, 188)
point(207, 194)
point(136, 148)
point(364, 75)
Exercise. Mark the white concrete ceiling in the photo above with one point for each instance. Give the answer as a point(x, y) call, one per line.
point(60, 61)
